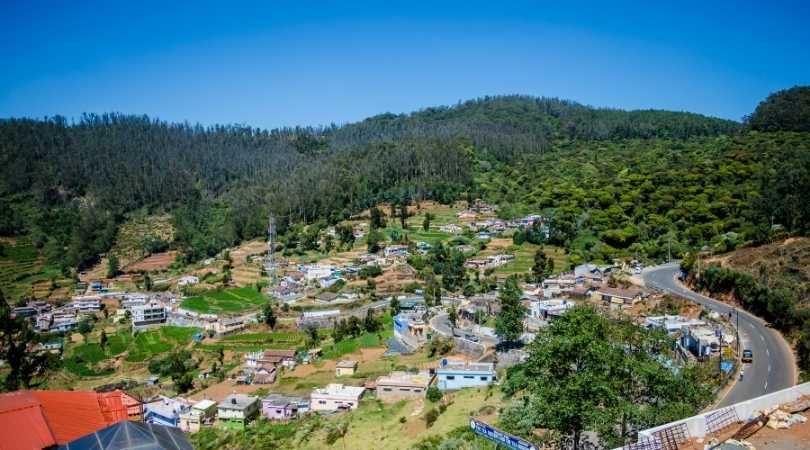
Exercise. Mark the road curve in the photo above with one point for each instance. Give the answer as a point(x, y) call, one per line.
point(773, 367)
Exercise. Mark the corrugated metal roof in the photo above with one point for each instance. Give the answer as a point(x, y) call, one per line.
point(22, 423)
point(57, 417)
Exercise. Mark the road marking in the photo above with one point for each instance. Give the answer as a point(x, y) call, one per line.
point(766, 385)
point(762, 337)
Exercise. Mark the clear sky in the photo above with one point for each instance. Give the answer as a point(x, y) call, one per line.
point(275, 63)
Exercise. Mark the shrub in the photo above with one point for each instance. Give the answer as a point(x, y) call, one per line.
point(434, 394)
point(431, 417)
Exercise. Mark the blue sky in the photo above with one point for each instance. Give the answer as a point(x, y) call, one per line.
point(277, 63)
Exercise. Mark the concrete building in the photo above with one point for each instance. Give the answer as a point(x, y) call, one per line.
point(86, 304)
point(336, 397)
point(283, 407)
point(453, 375)
point(237, 410)
point(345, 367)
point(410, 329)
point(150, 314)
point(165, 411)
point(200, 413)
point(619, 297)
point(398, 386)
point(702, 341)
point(549, 309)
point(671, 324)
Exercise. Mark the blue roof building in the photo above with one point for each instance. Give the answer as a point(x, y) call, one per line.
point(453, 375)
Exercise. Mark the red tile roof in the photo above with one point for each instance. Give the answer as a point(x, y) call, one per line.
point(57, 417)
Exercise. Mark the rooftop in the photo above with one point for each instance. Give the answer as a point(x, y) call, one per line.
point(420, 379)
point(466, 366)
point(346, 364)
point(340, 390)
point(237, 401)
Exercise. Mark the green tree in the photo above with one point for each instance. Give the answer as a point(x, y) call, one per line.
point(394, 306)
point(509, 322)
point(269, 315)
point(313, 338)
point(585, 373)
point(338, 430)
point(403, 215)
point(433, 394)
point(112, 266)
point(147, 282)
point(426, 222)
point(373, 241)
point(102, 340)
point(23, 365)
point(345, 235)
point(543, 265)
point(376, 219)
point(452, 317)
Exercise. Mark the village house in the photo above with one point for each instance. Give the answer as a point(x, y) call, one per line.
point(317, 271)
point(318, 319)
point(549, 309)
point(145, 316)
point(263, 375)
point(86, 304)
point(200, 413)
point(237, 410)
point(282, 407)
point(336, 397)
point(671, 324)
point(398, 386)
point(450, 229)
point(396, 250)
point(467, 215)
point(270, 359)
point(619, 297)
point(228, 325)
point(188, 280)
point(165, 411)
point(702, 341)
point(345, 367)
point(453, 375)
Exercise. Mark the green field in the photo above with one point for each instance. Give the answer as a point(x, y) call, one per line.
point(21, 266)
point(161, 340)
point(233, 300)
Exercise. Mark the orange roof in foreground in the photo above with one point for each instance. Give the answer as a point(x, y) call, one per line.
point(37, 419)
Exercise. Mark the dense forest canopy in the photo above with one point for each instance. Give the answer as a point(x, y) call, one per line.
point(787, 110)
point(612, 179)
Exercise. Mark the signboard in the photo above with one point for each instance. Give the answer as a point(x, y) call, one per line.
point(500, 437)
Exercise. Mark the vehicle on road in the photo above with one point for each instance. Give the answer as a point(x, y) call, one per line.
point(471, 337)
point(747, 356)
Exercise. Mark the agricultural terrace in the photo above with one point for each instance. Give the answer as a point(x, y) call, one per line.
point(235, 300)
point(90, 359)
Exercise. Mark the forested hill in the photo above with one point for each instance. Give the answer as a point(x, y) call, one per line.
point(507, 126)
point(69, 185)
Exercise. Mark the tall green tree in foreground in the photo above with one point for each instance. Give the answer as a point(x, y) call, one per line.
point(16, 336)
point(509, 323)
point(588, 374)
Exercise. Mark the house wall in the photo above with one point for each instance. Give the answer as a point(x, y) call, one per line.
point(278, 412)
point(344, 371)
point(390, 393)
point(447, 380)
point(328, 403)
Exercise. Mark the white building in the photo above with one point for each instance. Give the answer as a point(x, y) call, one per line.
point(318, 271)
point(671, 324)
point(188, 280)
point(86, 304)
point(143, 316)
point(335, 397)
point(549, 309)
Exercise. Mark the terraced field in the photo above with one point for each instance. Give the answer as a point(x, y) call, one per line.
point(233, 300)
point(23, 272)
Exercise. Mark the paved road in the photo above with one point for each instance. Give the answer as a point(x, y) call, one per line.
point(773, 366)
point(441, 324)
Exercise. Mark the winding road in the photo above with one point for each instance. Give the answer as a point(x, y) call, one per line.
point(773, 367)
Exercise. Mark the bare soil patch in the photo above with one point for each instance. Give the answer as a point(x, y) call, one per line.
point(156, 262)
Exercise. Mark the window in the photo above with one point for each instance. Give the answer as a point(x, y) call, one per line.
point(468, 377)
point(451, 377)
point(321, 402)
point(404, 390)
point(387, 389)
point(417, 390)
point(484, 378)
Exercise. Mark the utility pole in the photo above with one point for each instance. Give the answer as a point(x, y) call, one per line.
point(737, 313)
point(669, 248)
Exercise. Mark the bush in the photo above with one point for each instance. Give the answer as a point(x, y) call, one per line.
point(431, 417)
point(434, 394)
point(371, 271)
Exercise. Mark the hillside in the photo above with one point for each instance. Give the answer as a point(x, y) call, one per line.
point(784, 264)
point(616, 183)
